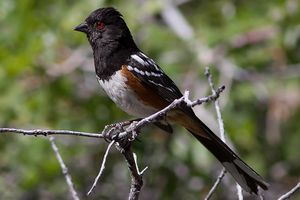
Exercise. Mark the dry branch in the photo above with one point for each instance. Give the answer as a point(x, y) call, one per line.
point(101, 168)
point(222, 136)
point(64, 169)
point(290, 193)
point(214, 187)
point(41, 132)
point(136, 176)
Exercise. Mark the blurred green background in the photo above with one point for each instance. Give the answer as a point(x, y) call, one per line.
point(47, 80)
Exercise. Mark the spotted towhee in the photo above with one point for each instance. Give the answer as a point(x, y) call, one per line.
point(140, 87)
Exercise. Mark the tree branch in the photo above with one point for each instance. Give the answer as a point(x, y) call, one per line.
point(101, 168)
point(136, 176)
point(38, 132)
point(222, 136)
point(290, 193)
point(214, 187)
point(64, 169)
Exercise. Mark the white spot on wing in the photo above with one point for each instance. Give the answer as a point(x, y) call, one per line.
point(144, 55)
point(138, 59)
point(155, 74)
point(139, 71)
point(143, 72)
point(158, 84)
point(150, 61)
point(129, 68)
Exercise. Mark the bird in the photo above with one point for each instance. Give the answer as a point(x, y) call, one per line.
point(140, 87)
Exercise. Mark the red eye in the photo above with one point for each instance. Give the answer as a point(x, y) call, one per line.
point(100, 25)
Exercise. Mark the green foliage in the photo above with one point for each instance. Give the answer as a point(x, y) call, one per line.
point(41, 89)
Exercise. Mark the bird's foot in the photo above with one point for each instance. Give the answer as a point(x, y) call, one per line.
point(118, 131)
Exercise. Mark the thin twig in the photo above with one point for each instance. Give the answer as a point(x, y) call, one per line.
point(290, 193)
point(217, 106)
point(38, 132)
point(137, 167)
point(64, 169)
point(222, 132)
point(136, 176)
point(214, 187)
point(222, 136)
point(102, 167)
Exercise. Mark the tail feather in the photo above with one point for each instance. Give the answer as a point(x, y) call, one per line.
point(247, 178)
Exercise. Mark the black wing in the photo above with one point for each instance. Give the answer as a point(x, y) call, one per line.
point(151, 74)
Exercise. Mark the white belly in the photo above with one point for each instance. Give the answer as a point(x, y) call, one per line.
point(124, 97)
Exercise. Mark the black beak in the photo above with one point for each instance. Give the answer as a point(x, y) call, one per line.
point(83, 27)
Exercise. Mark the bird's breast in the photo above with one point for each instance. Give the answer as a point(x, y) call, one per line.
point(117, 89)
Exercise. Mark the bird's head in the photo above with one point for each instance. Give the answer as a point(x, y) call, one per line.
point(104, 26)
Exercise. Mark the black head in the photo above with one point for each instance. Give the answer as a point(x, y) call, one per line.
point(106, 26)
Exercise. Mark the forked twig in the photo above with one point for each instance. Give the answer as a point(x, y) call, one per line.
point(101, 168)
point(136, 175)
point(222, 136)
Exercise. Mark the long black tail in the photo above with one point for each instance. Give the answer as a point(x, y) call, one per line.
point(246, 177)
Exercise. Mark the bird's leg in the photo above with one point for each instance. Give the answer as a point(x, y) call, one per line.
point(112, 131)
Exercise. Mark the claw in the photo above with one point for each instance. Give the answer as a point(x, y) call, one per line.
point(112, 132)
